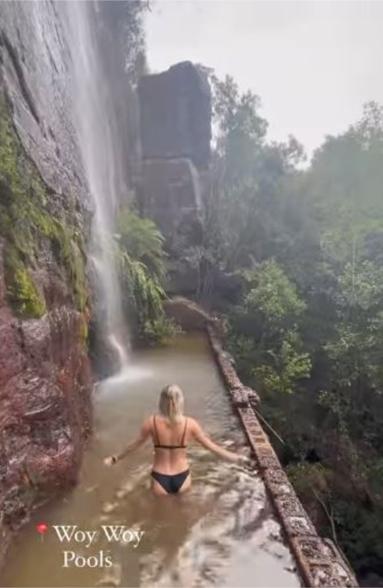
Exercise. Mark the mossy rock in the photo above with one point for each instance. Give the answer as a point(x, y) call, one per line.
point(23, 293)
point(29, 226)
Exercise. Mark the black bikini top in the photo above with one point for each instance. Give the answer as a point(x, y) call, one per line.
point(158, 444)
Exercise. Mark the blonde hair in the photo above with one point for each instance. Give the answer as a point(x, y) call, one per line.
point(171, 403)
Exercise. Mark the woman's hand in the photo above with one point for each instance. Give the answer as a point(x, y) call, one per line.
point(242, 459)
point(201, 437)
point(140, 440)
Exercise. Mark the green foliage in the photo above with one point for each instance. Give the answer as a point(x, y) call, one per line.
point(287, 366)
point(67, 247)
point(270, 346)
point(144, 242)
point(357, 529)
point(28, 226)
point(360, 289)
point(308, 330)
point(353, 399)
point(241, 129)
point(249, 177)
point(22, 291)
point(84, 331)
point(308, 478)
point(144, 290)
point(343, 187)
point(273, 296)
point(160, 329)
point(142, 270)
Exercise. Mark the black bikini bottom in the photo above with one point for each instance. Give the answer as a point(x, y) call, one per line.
point(171, 483)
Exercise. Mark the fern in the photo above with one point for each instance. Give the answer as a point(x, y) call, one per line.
point(141, 260)
point(142, 240)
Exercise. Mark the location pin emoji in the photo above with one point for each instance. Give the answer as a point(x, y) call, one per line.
point(42, 528)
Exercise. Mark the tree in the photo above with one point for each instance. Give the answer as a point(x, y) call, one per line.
point(266, 329)
point(307, 332)
point(249, 176)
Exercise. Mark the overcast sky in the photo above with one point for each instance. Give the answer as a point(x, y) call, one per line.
point(313, 63)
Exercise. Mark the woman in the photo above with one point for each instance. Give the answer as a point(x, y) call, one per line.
point(171, 432)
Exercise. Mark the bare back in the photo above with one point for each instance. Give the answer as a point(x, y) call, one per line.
point(170, 440)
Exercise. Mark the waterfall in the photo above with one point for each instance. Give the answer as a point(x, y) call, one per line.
point(100, 149)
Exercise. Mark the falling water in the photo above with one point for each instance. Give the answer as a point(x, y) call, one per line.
point(96, 124)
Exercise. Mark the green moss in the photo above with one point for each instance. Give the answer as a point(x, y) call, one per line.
point(69, 249)
point(29, 227)
point(84, 331)
point(26, 296)
point(23, 293)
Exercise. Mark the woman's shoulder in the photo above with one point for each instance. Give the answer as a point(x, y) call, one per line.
point(191, 422)
point(148, 421)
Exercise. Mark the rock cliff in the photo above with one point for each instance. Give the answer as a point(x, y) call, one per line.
point(44, 225)
point(175, 115)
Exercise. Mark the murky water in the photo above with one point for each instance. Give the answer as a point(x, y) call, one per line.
point(221, 533)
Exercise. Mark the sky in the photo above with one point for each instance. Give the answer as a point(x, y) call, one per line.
point(313, 63)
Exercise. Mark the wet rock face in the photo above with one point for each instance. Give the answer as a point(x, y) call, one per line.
point(35, 66)
point(176, 114)
point(45, 379)
point(172, 196)
point(44, 400)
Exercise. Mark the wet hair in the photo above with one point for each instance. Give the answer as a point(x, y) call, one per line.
point(172, 402)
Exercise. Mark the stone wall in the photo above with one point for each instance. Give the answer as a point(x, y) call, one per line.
point(187, 314)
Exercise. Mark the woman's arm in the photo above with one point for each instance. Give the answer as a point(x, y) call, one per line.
point(140, 440)
point(201, 437)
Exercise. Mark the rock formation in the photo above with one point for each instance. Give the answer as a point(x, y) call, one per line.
point(171, 192)
point(175, 112)
point(44, 223)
